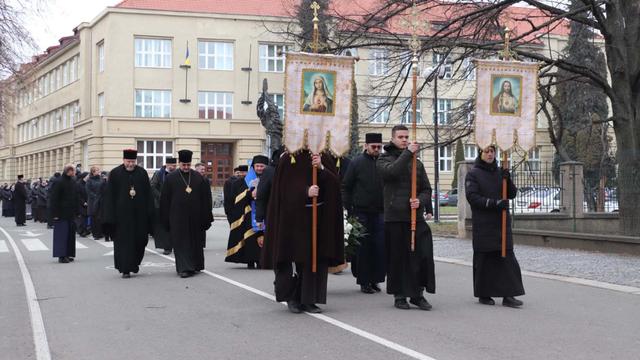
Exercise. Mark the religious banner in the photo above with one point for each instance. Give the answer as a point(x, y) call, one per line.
point(506, 104)
point(318, 102)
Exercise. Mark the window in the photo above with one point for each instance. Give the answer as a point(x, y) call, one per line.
point(499, 158)
point(101, 57)
point(153, 53)
point(534, 159)
point(407, 112)
point(215, 55)
point(444, 111)
point(75, 118)
point(74, 69)
point(153, 103)
point(378, 62)
point(444, 158)
point(469, 69)
point(470, 152)
point(379, 110)
point(272, 57)
point(215, 105)
point(278, 99)
point(101, 104)
point(444, 61)
point(152, 154)
point(46, 84)
point(65, 74)
point(58, 78)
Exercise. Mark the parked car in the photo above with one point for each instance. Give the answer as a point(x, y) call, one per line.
point(537, 200)
point(446, 198)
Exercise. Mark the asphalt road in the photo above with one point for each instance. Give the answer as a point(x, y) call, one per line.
point(227, 312)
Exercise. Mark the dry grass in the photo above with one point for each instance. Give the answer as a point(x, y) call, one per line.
point(444, 228)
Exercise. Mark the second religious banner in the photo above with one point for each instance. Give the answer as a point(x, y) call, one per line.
point(506, 104)
point(318, 91)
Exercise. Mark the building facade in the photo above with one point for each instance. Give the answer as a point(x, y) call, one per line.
point(121, 82)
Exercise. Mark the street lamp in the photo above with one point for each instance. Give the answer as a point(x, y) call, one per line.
point(434, 75)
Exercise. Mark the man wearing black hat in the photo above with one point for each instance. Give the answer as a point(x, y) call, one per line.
point(227, 191)
point(20, 196)
point(362, 197)
point(245, 241)
point(185, 210)
point(128, 213)
point(161, 236)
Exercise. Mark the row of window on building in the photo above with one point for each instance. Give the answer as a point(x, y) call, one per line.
point(446, 157)
point(53, 121)
point(54, 80)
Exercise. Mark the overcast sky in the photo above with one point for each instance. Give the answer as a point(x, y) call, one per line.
point(59, 17)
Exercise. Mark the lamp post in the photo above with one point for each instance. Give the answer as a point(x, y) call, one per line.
point(435, 74)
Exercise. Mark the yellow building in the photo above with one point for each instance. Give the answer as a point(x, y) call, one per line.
point(120, 82)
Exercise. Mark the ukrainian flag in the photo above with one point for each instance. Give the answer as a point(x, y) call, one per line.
point(187, 61)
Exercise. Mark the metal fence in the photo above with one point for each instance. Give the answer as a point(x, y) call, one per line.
point(539, 191)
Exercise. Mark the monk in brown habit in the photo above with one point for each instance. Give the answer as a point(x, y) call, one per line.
point(287, 245)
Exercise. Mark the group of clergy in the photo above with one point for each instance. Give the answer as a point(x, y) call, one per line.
point(178, 215)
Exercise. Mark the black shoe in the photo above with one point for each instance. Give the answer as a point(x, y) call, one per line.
point(251, 265)
point(63, 260)
point(486, 301)
point(185, 274)
point(310, 308)
point(376, 288)
point(126, 275)
point(401, 304)
point(70, 259)
point(367, 289)
point(512, 302)
point(166, 252)
point(421, 302)
point(294, 306)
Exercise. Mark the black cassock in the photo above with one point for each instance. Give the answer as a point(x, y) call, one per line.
point(242, 246)
point(20, 203)
point(188, 216)
point(128, 216)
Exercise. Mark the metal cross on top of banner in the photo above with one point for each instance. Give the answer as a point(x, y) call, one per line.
point(414, 45)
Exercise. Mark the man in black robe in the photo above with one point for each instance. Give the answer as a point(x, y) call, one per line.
point(185, 208)
point(244, 241)
point(363, 199)
point(20, 196)
point(64, 211)
point(409, 273)
point(288, 239)
point(128, 213)
point(493, 275)
point(227, 190)
point(161, 236)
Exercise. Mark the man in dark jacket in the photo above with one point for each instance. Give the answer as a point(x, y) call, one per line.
point(52, 182)
point(362, 198)
point(40, 204)
point(81, 221)
point(20, 196)
point(64, 209)
point(409, 271)
point(493, 275)
point(94, 190)
point(161, 236)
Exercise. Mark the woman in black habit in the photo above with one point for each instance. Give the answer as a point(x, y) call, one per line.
point(64, 210)
point(493, 275)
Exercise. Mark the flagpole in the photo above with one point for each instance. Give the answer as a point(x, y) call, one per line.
point(506, 56)
point(314, 171)
point(186, 66)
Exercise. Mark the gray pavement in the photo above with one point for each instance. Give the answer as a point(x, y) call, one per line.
point(89, 312)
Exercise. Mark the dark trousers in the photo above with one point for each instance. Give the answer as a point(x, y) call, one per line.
point(82, 225)
point(368, 266)
point(64, 238)
point(96, 226)
point(302, 285)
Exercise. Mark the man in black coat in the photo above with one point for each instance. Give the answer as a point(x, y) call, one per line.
point(409, 273)
point(81, 220)
point(93, 188)
point(493, 275)
point(128, 213)
point(362, 198)
point(161, 236)
point(20, 196)
point(52, 182)
point(185, 208)
point(227, 190)
point(64, 210)
point(40, 204)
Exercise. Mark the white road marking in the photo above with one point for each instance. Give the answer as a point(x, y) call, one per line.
point(3, 246)
point(37, 324)
point(110, 253)
point(30, 234)
point(108, 244)
point(352, 329)
point(79, 245)
point(34, 245)
point(569, 279)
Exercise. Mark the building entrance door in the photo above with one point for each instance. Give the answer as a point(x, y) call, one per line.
point(218, 160)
